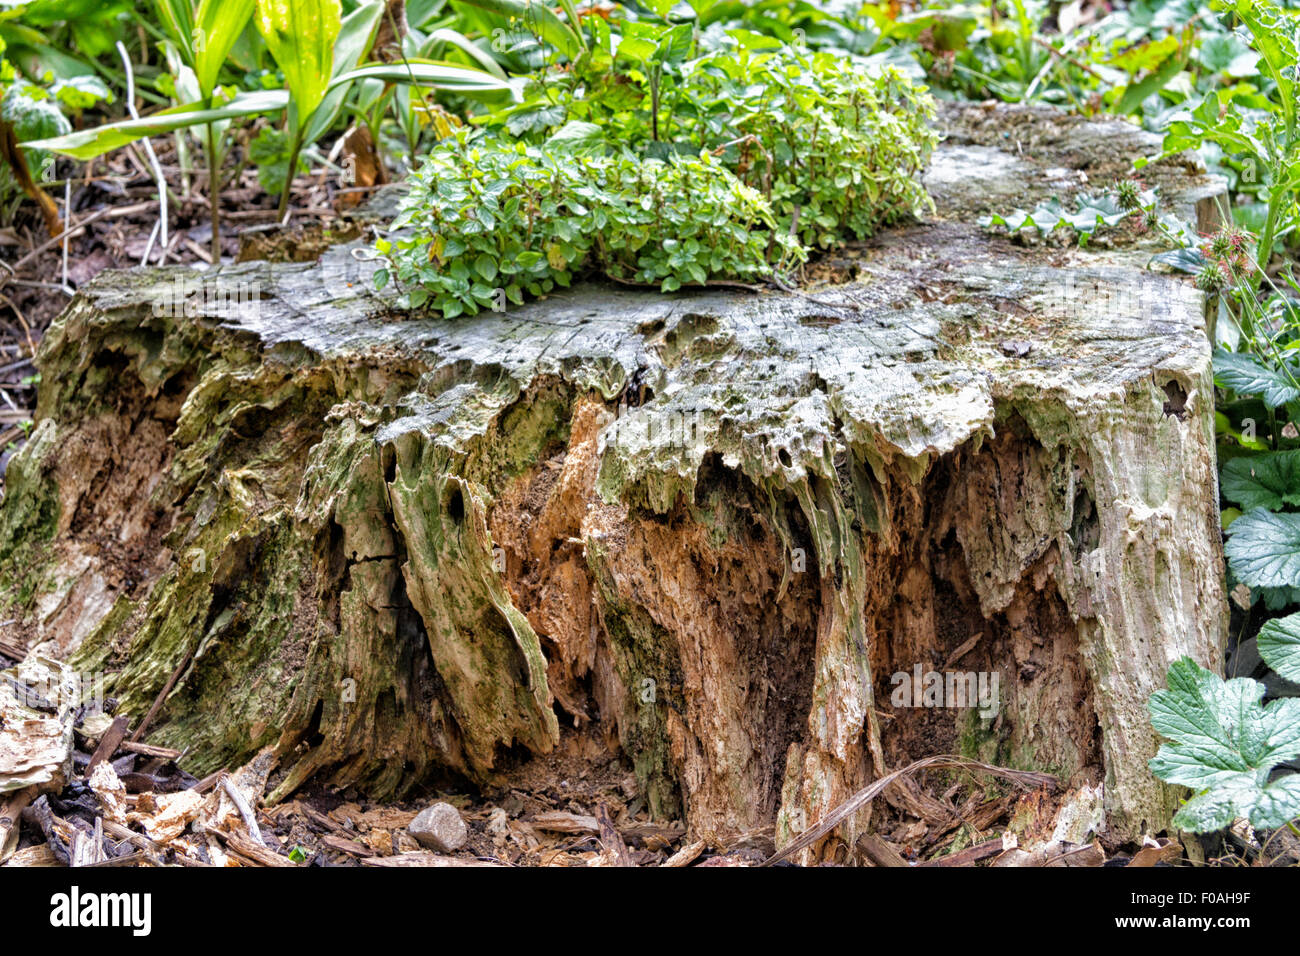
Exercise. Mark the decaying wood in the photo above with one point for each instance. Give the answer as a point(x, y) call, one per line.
point(387, 548)
point(969, 856)
point(879, 852)
point(424, 858)
point(610, 841)
point(687, 854)
point(109, 743)
point(1056, 853)
point(11, 809)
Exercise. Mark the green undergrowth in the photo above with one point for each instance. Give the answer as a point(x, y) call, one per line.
point(730, 163)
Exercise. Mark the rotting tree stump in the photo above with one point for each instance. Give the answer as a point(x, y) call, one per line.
point(712, 524)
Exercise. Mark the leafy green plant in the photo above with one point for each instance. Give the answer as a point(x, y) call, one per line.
point(35, 111)
point(300, 35)
point(837, 146)
point(319, 53)
point(491, 220)
point(652, 132)
point(1224, 745)
point(203, 36)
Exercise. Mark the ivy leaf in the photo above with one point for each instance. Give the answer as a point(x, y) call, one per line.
point(1263, 549)
point(1247, 375)
point(1223, 744)
point(1269, 481)
point(1279, 645)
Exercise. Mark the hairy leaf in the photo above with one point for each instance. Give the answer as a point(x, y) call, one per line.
point(1279, 645)
point(1269, 480)
point(1263, 549)
point(1246, 374)
point(1223, 744)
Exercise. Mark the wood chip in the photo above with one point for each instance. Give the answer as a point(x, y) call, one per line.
point(1168, 851)
point(969, 856)
point(687, 854)
point(425, 858)
point(560, 821)
point(880, 853)
point(610, 840)
point(108, 744)
point(1054, 853)
point(149, 750)
point(256, 853)
point(344, 845)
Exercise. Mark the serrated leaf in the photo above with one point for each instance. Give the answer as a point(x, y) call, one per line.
point(1270, 480)
point(1223, 743)
point(1279, 645)
point(1263, 549)
point(1247, 375)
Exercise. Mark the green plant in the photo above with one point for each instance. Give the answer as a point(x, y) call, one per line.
point(837, 146)
point(670, 125)
point(1126, 204)
point(301, 35)
point(491, 220)
point(203, 36)
point(1224, 745)
point(35, 111)
point(319, 54)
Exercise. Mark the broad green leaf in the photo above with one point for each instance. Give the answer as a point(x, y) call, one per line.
point(579, 135)
point(1263, 549)
point(466, 46)
point(87, 144)
point(1134, 95)
point(300, 35)
point(1228, 53)
point(1223, 744)
point(1188, 259)
point(356, 36)
point(1279, 645)
point(1247, 375)
point(1270, 480)
point(539, 19)
point(177, 19)
point(442, 76)
point(217, 26)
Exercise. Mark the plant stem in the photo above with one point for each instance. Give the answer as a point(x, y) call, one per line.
point(288, 179)
point(214, 193)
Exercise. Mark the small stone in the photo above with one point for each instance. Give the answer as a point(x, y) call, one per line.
point(439, 828)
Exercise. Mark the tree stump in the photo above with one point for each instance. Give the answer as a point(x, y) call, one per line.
point(714, 525)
